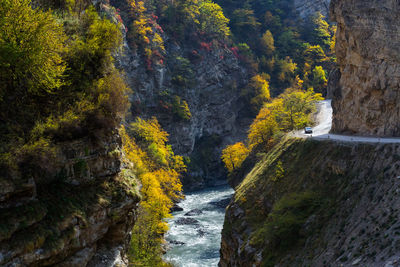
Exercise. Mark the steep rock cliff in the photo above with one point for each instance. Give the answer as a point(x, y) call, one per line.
point(212, 91)
point(332, 205)
point(305, 8)
point(367, 94)
point(213, 99)
point(69, 218)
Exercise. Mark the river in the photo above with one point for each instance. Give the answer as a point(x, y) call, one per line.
point(195, 233)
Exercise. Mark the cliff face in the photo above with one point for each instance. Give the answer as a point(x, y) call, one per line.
point(305, 8)
point(213, 95)
point(366, 96)
point(78, 216)
point(310, 203)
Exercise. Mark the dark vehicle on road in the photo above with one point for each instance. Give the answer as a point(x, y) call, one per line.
point(308, 130)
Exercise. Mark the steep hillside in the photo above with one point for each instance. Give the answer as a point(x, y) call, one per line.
point(314, 203)
point(191, 83)
point(366, 95)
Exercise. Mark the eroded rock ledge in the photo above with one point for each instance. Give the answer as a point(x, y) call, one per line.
point(80, 215)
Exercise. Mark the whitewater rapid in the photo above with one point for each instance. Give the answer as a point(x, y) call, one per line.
point(195, 240)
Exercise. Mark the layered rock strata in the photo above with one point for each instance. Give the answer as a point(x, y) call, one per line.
point(70, 217)
point(367, 95)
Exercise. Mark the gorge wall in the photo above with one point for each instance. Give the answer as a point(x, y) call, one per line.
point(79, 215)
point(215, 79)
point(68, 196)
point(213, 99)
point(366, 94)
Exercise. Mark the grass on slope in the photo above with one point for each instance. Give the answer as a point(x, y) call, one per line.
point(292, 191)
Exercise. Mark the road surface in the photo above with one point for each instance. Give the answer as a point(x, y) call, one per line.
point(324, 125)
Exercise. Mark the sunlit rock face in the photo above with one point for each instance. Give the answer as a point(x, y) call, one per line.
point(305, 8)
point(366, 96)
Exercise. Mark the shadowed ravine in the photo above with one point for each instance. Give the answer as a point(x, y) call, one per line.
point(195, 233)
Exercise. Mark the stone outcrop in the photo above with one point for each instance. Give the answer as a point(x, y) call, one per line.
point(70, 217)
point(366, 98)
point(355, 219)
point(306, 8)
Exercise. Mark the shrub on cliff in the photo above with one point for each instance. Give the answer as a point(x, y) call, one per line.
point(181, 109)
point(57, 72)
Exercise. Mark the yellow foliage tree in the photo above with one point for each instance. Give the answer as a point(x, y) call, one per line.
point(149, 131)
point(258, 88)
point(293, 109)
point(263, 129)
point(234, 155)
point(267, 43)
point(161, 186)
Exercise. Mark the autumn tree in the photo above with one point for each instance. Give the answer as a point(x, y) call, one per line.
point(319, 81)
point(149, 131)
point(234, 155)
point(140, 29)
point(287, 70)
point(267, 43)
point(258, 89)
point(161, 186)
point(150, 135)
point(263, 129)
point(244, 24)
point(181, 109)
point(293, 108)
point(332, 46)
point(314, 54)
point(317, 31)
point(31, 47)
point(212, 20)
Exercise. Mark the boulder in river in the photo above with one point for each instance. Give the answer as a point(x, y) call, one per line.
point(175, 242)
point(193, 212)
point(176, 208)
point(185, 221)
point(221, 203)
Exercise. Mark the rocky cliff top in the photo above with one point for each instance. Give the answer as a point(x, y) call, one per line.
point(305, 8)
point(366, 94)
